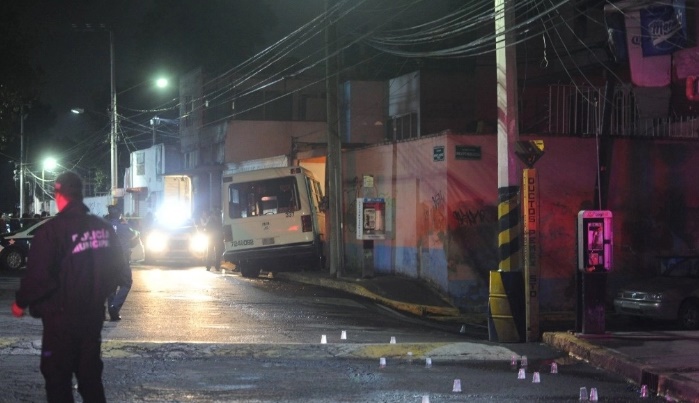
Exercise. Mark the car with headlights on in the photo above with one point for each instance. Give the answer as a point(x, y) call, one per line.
point(673, 295)
point(175, 242)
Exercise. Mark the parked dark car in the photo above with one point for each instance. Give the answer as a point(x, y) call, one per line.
point(15, 245)
point(674, 295)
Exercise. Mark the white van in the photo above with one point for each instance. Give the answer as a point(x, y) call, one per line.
point(273, 220)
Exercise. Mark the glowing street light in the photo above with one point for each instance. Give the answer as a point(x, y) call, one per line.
point(50, 164)
point(162, 82)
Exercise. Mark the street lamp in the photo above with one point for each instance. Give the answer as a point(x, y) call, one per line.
point(162, 82)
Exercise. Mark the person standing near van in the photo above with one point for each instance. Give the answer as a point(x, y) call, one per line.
point(74, 263)
point(211, 223)
point(126, 236)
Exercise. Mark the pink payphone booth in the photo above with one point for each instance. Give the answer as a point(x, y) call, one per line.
point(594, 260)
point(371, 225)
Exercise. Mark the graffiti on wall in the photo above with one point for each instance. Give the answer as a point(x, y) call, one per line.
point(438, 200)
point(472, 250)
point(468, 217)
point(434, 219)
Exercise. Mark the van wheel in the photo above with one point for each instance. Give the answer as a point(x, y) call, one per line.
point(249, 272)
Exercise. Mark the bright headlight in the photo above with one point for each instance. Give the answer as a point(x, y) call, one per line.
point(199, 242)
point(156, 241)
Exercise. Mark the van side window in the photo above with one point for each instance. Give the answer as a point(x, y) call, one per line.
point(316, 193)
point(264, 197)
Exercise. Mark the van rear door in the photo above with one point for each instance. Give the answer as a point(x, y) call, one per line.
point(268, 212)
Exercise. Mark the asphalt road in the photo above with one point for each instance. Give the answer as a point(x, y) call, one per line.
point(194, 336)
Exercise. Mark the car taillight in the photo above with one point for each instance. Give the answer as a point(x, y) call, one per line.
point(306, 223)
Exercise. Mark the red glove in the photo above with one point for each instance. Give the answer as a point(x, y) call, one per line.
point(17, 312)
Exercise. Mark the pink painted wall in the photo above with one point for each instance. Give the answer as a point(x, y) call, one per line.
point(442, 220)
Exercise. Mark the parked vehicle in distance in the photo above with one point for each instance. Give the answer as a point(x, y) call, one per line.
point(13, 255)
point(15, 246)
point(175, 242)
point(674, 295)
point(273, 220)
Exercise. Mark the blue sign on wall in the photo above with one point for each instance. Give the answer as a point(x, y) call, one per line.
point(438, 153)
point(663, 29)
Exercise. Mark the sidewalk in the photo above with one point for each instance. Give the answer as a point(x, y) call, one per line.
point(666, 361)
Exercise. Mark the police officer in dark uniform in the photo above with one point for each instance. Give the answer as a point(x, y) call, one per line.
point(126, 235)
point(211, 223)
point(74, 263)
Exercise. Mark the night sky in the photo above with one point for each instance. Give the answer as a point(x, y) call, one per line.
point(152, 38)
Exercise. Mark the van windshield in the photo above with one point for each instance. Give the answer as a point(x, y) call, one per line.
point(263, 197)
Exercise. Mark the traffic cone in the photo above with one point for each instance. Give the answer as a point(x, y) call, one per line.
point(583, 394)
point(644, 390)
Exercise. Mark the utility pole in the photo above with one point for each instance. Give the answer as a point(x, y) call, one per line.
point(113, 132)
point(154, 121)
point(334, 162)
point(506, 300)
point(112, 107)
point(21, 160)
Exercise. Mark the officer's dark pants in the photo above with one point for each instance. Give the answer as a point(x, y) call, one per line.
point(72, 347)
point(215, 251)
point(118, 297)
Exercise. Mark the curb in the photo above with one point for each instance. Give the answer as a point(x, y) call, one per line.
point(125, 349)
point(415, 309)
point(666, 384)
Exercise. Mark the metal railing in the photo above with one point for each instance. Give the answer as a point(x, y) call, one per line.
point(577, 110)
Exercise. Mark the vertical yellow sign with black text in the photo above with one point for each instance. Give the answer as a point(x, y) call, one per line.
point(530, 186)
